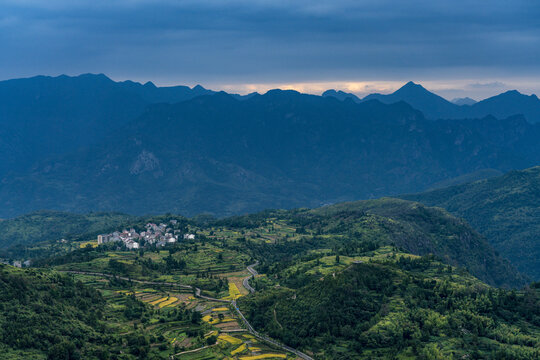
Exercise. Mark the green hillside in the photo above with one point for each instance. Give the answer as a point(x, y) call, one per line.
point(395, 307)
point(416, 229)
point(55, 225)
point(378, 279)
point(53, 316)
point(506, 209)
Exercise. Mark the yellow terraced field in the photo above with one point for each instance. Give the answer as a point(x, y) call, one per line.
point(234, 293)
point(220, 309)
point(149, 297)
point(263, 356)
point(230, 339)
point(155, 302)
point(209, 319)
point(171, 300)
point(239, 349)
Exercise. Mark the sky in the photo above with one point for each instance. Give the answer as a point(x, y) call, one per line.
point(455, 48)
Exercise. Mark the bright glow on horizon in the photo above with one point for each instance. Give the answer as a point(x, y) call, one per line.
point(473, 88)
point(477, 89)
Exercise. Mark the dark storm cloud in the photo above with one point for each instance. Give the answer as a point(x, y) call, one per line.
point(261, 41)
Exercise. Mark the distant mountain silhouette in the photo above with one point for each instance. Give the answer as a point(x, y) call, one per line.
point(283, 149)
point(435, 107)
point(507, 104)
point(90, 143)
point(46, 116)
point(464, 101)
point(153, 94)
point(419, 98)
point(340, 95)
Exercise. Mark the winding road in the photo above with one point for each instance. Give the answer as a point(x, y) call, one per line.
point(253, 273)
point(250, 328)
point(245, 282)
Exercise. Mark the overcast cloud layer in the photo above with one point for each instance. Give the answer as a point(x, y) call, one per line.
point(455, 47)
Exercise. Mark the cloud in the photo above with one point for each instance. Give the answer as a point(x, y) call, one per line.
point(272, 42)
point(488, 85)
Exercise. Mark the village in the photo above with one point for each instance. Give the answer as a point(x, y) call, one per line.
point(158, 235)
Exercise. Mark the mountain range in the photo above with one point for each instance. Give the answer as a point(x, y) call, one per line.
point(434, 106)
point(279, 150)
point(382, 278)
point(47, 116)
point(88, 143)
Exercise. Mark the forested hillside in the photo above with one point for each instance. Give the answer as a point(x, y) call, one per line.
point(395, 307)
point(371, 279)
point(54, 225)
point(48, 315)
point(45, 116)
point(419, 230)
point(506, 209)
point(216, 154)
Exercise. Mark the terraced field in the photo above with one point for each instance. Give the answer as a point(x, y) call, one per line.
point(219, 335)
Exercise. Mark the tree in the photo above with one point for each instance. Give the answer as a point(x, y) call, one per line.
point(64, 350)
point(196, 317)
point(211, 340)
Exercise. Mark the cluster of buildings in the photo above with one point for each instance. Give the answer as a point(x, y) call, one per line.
point(17, 263)
point(160, 235)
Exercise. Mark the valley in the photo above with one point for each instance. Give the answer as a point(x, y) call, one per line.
point(342, 281)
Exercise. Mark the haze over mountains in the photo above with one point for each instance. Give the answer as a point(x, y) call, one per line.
point(435, 107)
point(88, 143)
point(44, 115)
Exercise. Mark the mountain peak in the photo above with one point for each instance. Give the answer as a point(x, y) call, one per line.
point(340, 95)
point(329, 92)
point(511, 92)
point(411, 86)
point(198, 88)
point(281, 92)
point(99, 76)
point(464, 101)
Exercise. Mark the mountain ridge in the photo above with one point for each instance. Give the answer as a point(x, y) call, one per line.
point(502, 208)
point(503, 105)
point(214, 153)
